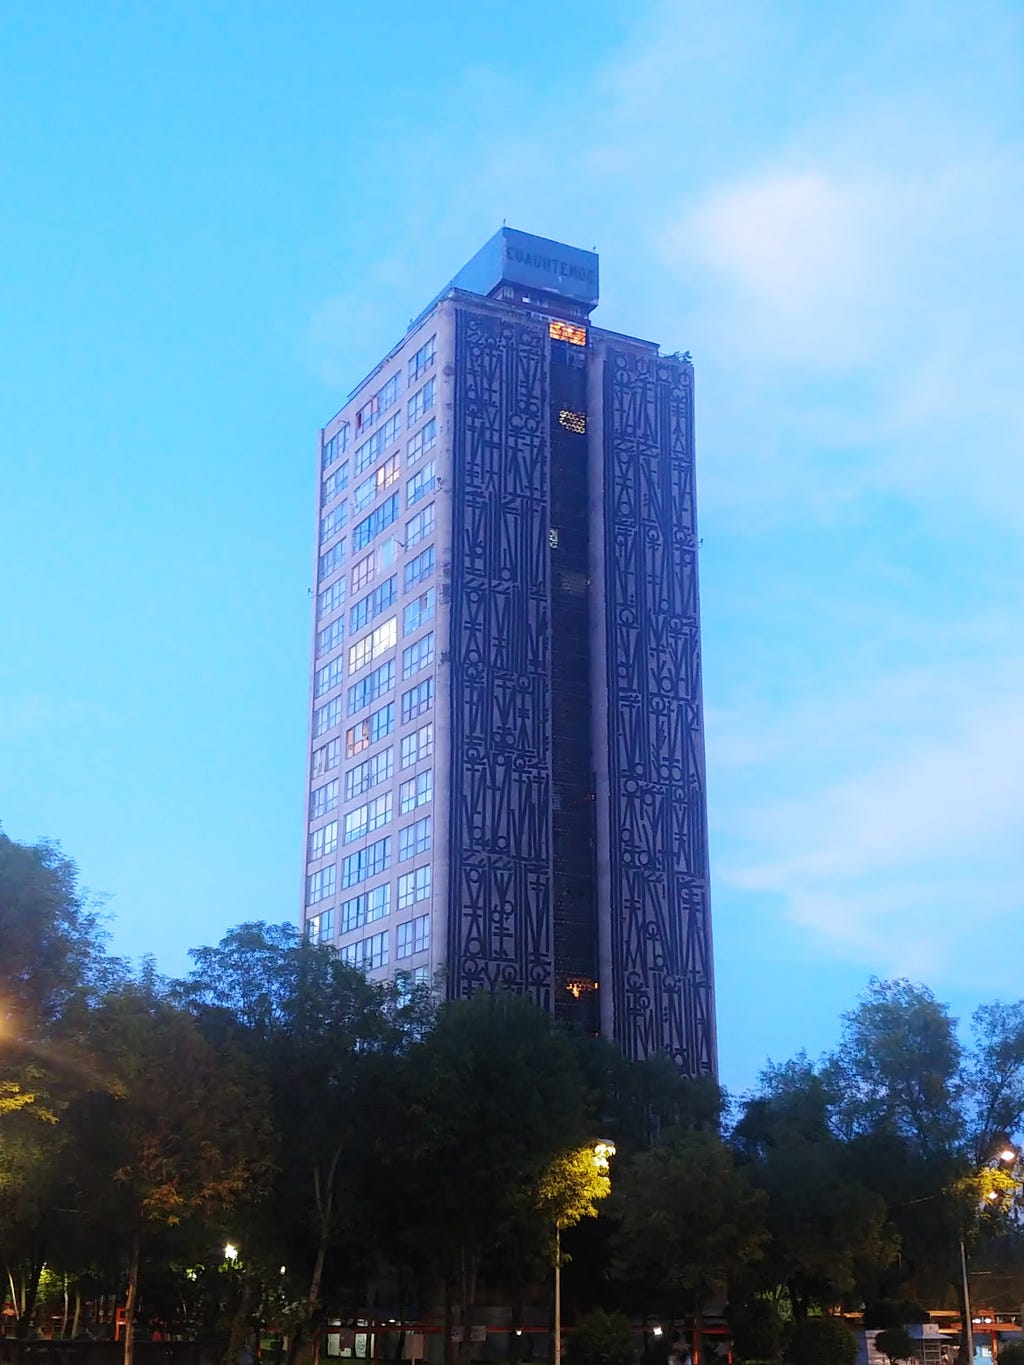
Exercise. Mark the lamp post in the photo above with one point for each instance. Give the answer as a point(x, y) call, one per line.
point(601, 1153)
point(1007, 1157)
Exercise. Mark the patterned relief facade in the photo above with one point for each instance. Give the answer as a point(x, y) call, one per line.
point(499, 916)
point(657, 837)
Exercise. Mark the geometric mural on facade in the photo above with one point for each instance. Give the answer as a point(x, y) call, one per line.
point(499, 913)
point(660, 919)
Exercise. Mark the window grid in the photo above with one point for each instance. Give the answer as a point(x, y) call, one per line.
point(333, 521)
point(326, 717)
point(320, 928)
point(423, 441)
point(379, 520)
point(418, 612)
point(372, 646)
point(369, 774)
point(365, 909)
point(369, 953)
point(378, 725)
point(334, 484)
point(367, 453)
point(418, 745)
point(330, 637)
point(418, 569)
point(366, 862)
point(329, 676)
point(420, 526)
point(414, 839)
point(325, 758)
point(414, 886)
point(320, 885)
point(331, 560)
point(417, 700)
point(417, 791)
point(421, 401)
point(418, 655)
point(421, 484)
point(420, 361)
point(323, 841)
point(371, 688)
point(413, 936)
point(370, 606)
point(367, 819)
point(331, 598)
point(324, 799)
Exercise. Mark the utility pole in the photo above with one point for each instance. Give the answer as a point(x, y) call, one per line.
point(968, 1326)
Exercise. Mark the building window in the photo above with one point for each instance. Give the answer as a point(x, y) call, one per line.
point(368, 453)
point(418, 612)
point(367, 862)
point(424, 440)
point(334, 484)
point(414, 839)
point(372, 646)
point(369, 774)
point(365, 570)
point(418, 745)
point(377, 726)
point(420, 526)
point(320, 885)
point(420, 361)
point(573, 421)
point(417, 700)
point(566, 331)
point(372, 687)
point(330, 637)
point(333, 521)
point(335, 447)
point(413, 936)
point(366, 819)
point(414, 886)
point(416, 792)
point(419, 568)
point(378, 482)
point(379, 520)
point(365, 909)
point(325, 758)
point(421, 484)
point(421, 401)
point(327, 677)
point(369, 953)
point(326, 717)
point(324, 799)
point(418, 655)
point(330, 599)
point(331, 560)
point(364, 611)
point(320, 928)
point(323, 841)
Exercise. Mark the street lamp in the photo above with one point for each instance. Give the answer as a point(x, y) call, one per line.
point(1008, 1157)
point(230, 1252)
point(601, 1153)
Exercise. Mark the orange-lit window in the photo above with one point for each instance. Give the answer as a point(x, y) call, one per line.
point(573, 421)
point(565, 331)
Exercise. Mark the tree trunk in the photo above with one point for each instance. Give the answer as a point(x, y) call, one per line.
point(449, 1319)
point(131, 1299)
point(64, 1319)
point(76, 1321)
point(698, 1333)
point(29, 1291)
point(239, 1323)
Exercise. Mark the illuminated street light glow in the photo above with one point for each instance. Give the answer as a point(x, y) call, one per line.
point(1008, 1155)
point(230, 1252)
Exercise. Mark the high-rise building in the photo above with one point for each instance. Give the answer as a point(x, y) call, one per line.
point(506, 774)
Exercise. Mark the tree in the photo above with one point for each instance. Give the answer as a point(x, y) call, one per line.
point(689, 1222)
point(485, 1104)
point(822, 1341)
point(897, 1068)
point(171, 1120)
point(895, 1343)
point(601, 1338)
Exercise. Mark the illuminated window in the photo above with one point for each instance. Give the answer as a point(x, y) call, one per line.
point(573, 421)
point(371, 646)
point(565, 331)
point(377, 727)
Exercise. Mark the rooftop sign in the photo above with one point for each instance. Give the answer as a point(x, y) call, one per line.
point(513, 257)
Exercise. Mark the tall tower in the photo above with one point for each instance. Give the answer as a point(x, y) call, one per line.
point(506, 774)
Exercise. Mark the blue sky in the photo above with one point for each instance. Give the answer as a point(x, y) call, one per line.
point(215, 217)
